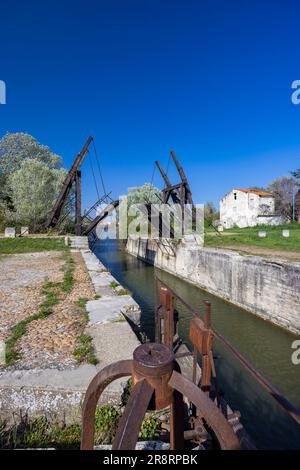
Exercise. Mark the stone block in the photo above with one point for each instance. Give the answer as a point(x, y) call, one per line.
point(286, 233)
point(24, 231)
point(10, 232)
point(262, 234)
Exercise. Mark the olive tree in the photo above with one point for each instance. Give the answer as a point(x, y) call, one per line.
point(17, 147)
point(34, 187)
point(145, 194)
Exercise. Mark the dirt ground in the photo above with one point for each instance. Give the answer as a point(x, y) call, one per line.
point(48, 342)
point(270, 252)
point(21, 279)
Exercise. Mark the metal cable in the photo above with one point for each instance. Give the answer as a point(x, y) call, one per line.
point(95, 181)
point(99, 169)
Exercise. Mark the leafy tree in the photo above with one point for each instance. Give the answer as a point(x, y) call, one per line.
point(33, 190)
point(24, 201)
point(15, 148)
point(146, 194)
point(283, 190)
point(210, 212)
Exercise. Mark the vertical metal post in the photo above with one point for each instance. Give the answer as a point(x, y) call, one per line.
point(207, 314)
point(78, 203)
point(167, 307)
point(206, 350)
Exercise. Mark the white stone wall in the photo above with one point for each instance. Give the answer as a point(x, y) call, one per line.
point(268, 288)
point(242, 209)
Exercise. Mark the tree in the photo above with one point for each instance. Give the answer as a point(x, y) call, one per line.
point(210, 212)
point(15, 148)
point(34, 188)
point(296, 174)
point(283, 190)
point(146, 194)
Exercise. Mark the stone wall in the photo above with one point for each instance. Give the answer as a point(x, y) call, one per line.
point(268, 288)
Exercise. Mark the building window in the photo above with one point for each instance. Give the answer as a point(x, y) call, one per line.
point(234, 196)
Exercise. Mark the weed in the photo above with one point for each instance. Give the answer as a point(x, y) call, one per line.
point(85, 351)
point(123, 292)
point(106, 421)
point(126, 392)
point(81, 302)
point(119, 319)
point(113, 284)
point(150, 428)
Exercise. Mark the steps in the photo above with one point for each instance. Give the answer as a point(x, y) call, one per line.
point(78, 243)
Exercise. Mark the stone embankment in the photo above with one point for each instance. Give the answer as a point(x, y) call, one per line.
point(267, 287)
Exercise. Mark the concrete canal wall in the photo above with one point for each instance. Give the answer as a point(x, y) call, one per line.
point(269, 288)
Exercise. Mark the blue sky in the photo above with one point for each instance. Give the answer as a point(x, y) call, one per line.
point(210, 79)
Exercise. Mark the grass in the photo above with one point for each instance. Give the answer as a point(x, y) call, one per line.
point(51, 291)
point(68, 281)
point(85, 350)
point(249, 237)
point(46, 308)
point(113, 284)
point(123, 292)
point(10, 246)
point(118, 319)
point(40, 432)
point(54, 292)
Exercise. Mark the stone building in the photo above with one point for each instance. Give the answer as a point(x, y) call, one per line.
point(248, 208)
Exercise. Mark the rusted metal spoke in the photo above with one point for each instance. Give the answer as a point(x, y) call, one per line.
point(177, 418)
point(95, 389)
point(131, 420)
point(212, 415)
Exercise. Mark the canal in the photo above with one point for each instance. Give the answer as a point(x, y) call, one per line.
point(267, 347)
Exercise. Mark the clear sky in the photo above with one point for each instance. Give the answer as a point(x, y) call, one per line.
point(210, 79)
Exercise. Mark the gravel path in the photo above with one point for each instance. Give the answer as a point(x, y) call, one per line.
point(48, 342)
point(21, 279)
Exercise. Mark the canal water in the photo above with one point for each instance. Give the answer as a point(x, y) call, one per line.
point(267, 347)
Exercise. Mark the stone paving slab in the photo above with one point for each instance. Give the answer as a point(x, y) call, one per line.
point(108, 309)
point(91, 261)
point(113, 342)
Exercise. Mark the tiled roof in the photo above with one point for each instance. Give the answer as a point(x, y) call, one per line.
point(255, 191)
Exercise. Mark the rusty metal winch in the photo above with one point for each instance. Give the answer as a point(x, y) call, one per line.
point(157, 384)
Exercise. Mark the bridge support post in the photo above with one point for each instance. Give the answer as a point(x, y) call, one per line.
point(78, 203)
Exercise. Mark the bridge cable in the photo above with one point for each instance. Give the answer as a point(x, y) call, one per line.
point(151, 181)
point(98, 165)
point(94, 177)
point(168, 164)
